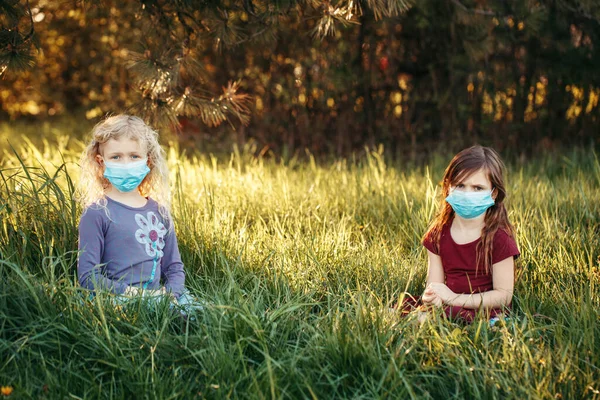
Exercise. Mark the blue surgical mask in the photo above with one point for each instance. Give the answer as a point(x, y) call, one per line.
point(470, 205)
point(126, 177)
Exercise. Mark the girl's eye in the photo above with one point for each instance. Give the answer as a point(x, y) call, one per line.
point(478, 188)
point(135, 156)
point(460, 186)
point(114, 158)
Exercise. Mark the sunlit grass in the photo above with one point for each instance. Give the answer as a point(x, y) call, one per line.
point(298, 263)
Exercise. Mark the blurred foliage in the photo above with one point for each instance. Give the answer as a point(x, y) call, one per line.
point(329, 76)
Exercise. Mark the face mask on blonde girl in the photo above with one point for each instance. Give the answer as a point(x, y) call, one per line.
point(127, 240)
point(125, 163)
point(470, 244)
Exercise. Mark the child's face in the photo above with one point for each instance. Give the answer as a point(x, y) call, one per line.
point(122, 151)
point(478, 181)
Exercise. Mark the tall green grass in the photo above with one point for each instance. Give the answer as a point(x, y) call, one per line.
point(298, 264)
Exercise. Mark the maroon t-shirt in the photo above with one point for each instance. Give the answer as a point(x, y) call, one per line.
point(460, 266)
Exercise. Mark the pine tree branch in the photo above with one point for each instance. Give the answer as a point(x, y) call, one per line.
point(579, 11)
point(197, 21)
point(188, 29)
point(30, 34)
point(249, 38)
point(156, 10)
point(473, 11)
point(249, 7)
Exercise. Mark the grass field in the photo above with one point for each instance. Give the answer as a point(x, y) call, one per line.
point(298, 263)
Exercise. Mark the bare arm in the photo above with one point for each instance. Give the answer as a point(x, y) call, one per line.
point(503, 278)
point(435, 271)
point(435, 274)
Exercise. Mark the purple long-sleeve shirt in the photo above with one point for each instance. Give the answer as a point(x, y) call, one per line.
point(119, 249)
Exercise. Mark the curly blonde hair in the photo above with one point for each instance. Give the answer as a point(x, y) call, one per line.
point(93, 184)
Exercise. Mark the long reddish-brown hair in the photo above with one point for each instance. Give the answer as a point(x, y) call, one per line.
point(463, 165)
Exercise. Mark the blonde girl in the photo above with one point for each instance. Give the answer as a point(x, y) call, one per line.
point(127, 242)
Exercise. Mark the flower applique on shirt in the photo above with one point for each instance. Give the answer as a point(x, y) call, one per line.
point(151, 234)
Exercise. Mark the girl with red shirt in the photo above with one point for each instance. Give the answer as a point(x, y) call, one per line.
point(470, 243)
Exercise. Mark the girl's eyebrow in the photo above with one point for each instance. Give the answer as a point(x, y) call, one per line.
point(472, 185)
point(120, 153)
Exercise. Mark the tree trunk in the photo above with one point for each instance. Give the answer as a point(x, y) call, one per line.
point(364, 63)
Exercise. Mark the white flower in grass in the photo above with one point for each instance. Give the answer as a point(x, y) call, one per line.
point(151, 234)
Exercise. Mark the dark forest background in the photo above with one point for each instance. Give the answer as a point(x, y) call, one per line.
point(327, 76)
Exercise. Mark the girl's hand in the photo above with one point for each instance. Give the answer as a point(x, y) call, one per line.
point(131, 291)
point(441, 291)
point(154, 293)
point(431, 298)
point(169, 294)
